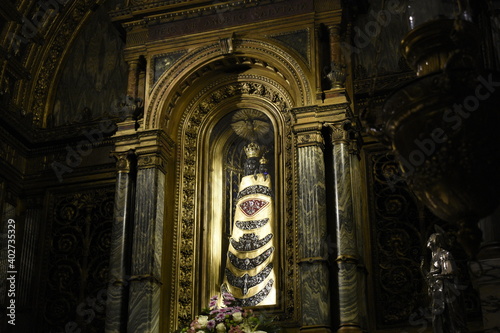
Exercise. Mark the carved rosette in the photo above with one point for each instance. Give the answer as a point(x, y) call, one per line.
point(196, 113)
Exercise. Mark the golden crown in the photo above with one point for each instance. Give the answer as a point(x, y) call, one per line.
point(252, 150)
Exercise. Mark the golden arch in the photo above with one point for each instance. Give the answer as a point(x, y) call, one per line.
point(205, 64)
point(187, 102)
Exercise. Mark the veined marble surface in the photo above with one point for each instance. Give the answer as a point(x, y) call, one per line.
point(145, 280)
point(116, 306)
point(314, 274)
point(346, 236)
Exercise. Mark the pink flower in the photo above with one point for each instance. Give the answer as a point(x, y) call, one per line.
point(247, 313)
point(220, 317)
point(213, 301)
point(228, 298)
point(211, 325)
point(235, 329)
point(195, 325)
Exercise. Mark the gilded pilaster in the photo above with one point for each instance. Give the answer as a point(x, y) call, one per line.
point(116, 304)
point(313, 249)
point(347, 256)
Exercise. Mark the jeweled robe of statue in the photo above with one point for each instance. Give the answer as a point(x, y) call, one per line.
point(249, 273)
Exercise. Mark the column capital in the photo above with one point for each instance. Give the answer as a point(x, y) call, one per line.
point(154, 149)
point(334, 31)
point(339, 131)
point(123, 160)
point(133, 63)
point(348, 132)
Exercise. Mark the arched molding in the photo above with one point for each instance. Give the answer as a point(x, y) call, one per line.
point(183, 76)
point(207, 107)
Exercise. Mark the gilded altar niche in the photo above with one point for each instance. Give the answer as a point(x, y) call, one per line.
point(235, 229)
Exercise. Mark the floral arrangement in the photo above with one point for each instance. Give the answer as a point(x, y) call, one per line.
point(229, 318)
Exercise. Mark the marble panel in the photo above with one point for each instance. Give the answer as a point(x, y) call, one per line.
point(346, 227)
point(145, 280)
point(312, 203)
point(313, 248)
point(116, 306)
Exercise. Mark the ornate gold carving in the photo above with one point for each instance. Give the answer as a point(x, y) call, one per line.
point(271, 57)
point(266, 89)
point(53, 58)
point(152, 160)
point(338, 133)
point(226, 45)
point(310, 138)
point(196, 114)
point(347, 132)
point(123, 160)
point(252, 150)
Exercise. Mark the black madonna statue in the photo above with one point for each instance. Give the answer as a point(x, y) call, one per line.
point(448, 310)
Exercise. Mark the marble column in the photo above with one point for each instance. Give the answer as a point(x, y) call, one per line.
point(26, 263)
point(145, 279)
point(347, 255)
point(116, 304)
point(313, 241)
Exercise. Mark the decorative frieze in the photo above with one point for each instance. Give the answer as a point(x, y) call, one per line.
point(153, 160)
point(310, 138)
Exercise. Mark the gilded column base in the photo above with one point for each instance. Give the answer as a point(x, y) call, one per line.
point(316, 329)
point(350, 329)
